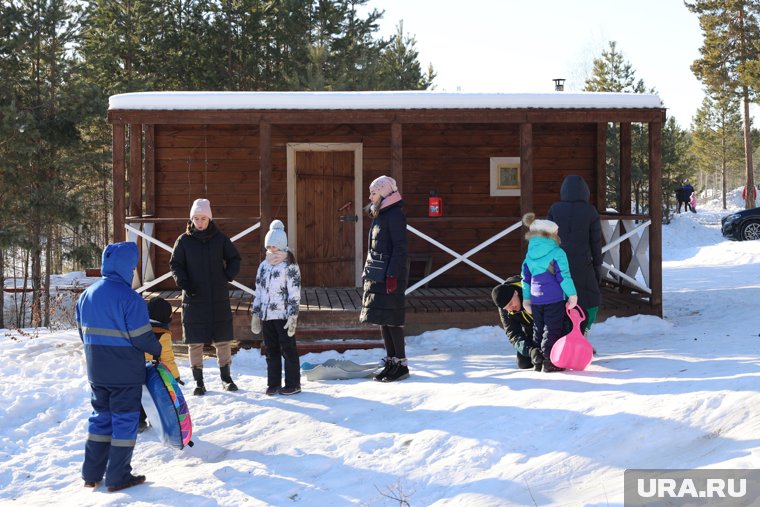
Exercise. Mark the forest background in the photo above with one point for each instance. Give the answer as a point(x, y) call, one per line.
point(60, 60)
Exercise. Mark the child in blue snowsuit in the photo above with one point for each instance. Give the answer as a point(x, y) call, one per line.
point(546, 282)
point(116, 333)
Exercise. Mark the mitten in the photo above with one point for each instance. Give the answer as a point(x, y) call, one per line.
point(527, 306)
point(291, 324)
point(572, 301)
point(391, 282)
point(255, 324)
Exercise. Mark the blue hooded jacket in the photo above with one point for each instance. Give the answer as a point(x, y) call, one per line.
point(543, 285)
point(113, 322)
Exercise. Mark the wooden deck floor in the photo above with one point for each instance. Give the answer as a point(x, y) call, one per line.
point(476, 299)
point(427, 309)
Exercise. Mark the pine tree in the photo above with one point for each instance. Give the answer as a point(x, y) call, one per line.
point(718, 139)
point(729, 59)
point(400, 68)
point(612, 73)
point(44, 108)
point(677, 162)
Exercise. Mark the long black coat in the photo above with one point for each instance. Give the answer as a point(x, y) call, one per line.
point(581, 235)
point(202, 264)
point(387, 236)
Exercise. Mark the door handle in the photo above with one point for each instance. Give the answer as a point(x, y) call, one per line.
point(349, 218)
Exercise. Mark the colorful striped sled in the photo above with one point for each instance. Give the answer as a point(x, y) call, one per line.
point(166, 407)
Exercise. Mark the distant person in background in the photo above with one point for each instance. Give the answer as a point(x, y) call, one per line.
point(683, 196)
point(581, 233)
point(744, 193)
point(204, 260)
point(114, 327)
point(385, 276)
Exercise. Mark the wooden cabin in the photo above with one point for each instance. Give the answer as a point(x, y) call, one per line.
point(307, 158)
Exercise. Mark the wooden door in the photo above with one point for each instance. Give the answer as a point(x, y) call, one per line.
point(326, 217)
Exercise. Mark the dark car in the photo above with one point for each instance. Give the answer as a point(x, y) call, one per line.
point(742, 225)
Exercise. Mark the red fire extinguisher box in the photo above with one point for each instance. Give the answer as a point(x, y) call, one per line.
point(435, 205)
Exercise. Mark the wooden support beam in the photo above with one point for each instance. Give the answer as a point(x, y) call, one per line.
point(119, 155)
point(265, 179)
point(625, 189)
point(655, 211)
point(526, 175)
point(601, 166)
point(135, 170)
point(397, 171)
point(150, 170)
point(526, 168)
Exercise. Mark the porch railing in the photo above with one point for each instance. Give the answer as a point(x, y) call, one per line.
point(625, 253)
point(133, 232)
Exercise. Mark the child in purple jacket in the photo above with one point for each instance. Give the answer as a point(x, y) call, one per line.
point(546, 283)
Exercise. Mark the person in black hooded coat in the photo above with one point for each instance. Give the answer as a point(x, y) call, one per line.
point(203, 261)
point(581, 233)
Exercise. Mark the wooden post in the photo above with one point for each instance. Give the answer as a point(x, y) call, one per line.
point(265, 180)
point(625, 190)
point(135, 170)
point(526, 175)
point(655, 213)
point(601, 167)
point(397, 171)
point(117, 146)
point(526, 168)
point(150, 170)
point(150, 194)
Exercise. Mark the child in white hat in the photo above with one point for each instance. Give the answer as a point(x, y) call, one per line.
point(275, 311)
point(546, 284)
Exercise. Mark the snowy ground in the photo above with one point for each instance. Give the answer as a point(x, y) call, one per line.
point(467, 429)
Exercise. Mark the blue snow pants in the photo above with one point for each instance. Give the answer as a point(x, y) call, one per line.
point(112, 433)
point(548, 323)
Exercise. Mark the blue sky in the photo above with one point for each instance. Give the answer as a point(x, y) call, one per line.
point(521, 46)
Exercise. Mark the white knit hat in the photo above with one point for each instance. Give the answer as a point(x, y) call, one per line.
point(201, 207)
point(276, 236)
point(546, 226)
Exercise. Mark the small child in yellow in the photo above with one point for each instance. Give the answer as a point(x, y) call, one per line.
point(160, 314)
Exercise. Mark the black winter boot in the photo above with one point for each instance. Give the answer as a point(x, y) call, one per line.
point(200, 389)
point(399, 370)
point(550, 367)
point(387, 365)
point(537, 358)
point(227, 382)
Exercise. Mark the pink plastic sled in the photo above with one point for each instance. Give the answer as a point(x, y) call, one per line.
point(573, 351)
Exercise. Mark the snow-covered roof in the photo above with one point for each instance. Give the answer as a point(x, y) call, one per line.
point(380, 100)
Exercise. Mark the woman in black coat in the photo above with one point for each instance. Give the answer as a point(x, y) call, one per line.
point(581, 235)
point(385, 275)
point(203, 261)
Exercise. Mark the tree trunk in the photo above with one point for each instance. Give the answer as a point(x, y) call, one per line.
point(106, 209)
point(749, 200)
point(2, 289)
point(48, 267)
